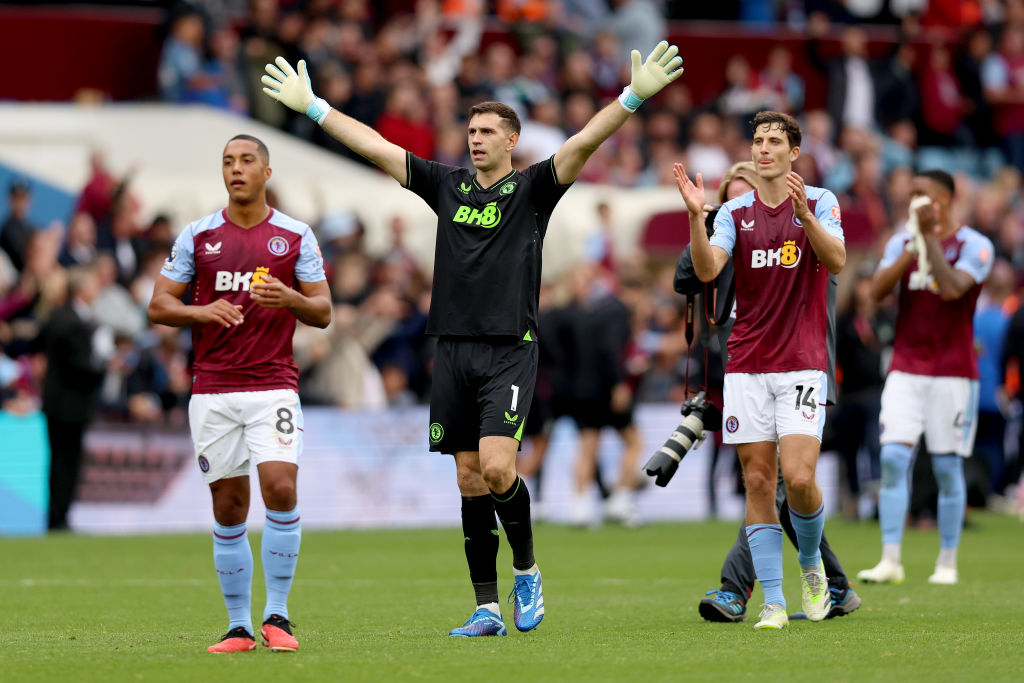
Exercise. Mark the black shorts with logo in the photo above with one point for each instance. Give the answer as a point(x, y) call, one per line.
point(481, 387)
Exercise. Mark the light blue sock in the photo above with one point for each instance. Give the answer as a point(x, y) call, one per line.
point(232, 557)
point(808, 530)
point(280, 553)
point(894, 497)
point(949, 472)
point(765, 541)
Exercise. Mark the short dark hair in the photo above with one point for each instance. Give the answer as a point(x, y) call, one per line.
point(260, 147)
point(784, 122)
point(506, 113)
point(941, 177)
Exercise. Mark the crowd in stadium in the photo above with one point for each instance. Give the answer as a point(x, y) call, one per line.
point(935, 98)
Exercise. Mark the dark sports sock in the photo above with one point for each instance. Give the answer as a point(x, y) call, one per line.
point(480, 529)
point(513, 508)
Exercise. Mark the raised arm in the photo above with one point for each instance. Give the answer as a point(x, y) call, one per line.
point(294, 90)
point(887, 276)
point(952, 282)
point(829, 249)
point(708, 259)
point(661, 68)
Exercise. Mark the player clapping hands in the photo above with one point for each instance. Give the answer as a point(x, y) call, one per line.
point(222, 312)
point(272, 293)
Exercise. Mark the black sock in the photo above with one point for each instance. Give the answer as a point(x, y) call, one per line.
point(513, 508)
point(480, 529)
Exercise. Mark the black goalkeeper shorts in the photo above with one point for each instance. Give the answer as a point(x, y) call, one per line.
point(481, 387)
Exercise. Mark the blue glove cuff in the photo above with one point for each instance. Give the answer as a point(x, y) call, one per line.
point(629, 101)
point(317, 110)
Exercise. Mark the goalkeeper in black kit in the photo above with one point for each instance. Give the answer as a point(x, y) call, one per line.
point(491, 223)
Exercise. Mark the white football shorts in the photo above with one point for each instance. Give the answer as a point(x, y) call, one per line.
point(944, 409)
point(231, 429)
point(765, 406)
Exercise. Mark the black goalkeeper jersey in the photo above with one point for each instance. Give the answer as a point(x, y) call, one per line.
point(487, 259)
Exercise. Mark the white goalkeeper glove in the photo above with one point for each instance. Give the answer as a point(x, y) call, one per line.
point(661, 68)
point(294, 90)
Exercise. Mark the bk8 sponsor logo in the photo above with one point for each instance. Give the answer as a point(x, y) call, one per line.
point(787, 256)
point(488, 217)
point(228, 281)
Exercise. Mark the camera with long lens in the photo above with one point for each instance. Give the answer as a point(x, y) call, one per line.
point(699, 415)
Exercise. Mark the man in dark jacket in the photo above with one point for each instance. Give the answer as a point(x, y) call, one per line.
point(76, 351)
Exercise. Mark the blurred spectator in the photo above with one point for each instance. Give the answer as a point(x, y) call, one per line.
point(158, 236)
point(852, 80)
point(442, 58)
point(943, 106)
point(17, 230)
point(599, 247)
point(969, 76)
point(180, 73)
point(817, 141)
point(607, 64)
point(705, 153)
point(405, 123)
point(779, 77)
point(118, 238)
point(637, 25)
point(114, 306)
point(896, 94)
point(864, 211)
point(599, 333)
point(991, 321)
point(225, 85)
point(98, 193)
point(76, 350)
point(744, 96)
point(1002, 77)
point(541, 135)
point(80, 245)
point(864, 337)
point(260, 45)
point(142, 286)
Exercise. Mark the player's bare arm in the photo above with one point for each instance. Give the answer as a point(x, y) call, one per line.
point(294, 90)
point(952, 283)
point(830, 250)
point(310, 304)
point(661, 67)
point(886, 278)
point(708, 260)
point(167, 308)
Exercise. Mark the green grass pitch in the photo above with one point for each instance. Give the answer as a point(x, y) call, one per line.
point(621, 606)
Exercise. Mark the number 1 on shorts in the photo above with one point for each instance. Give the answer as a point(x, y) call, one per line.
point(515, 397)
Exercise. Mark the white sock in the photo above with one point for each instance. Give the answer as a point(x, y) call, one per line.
point(891, 552)
point(491, 607)
point(521, 572)
point(947, 557)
